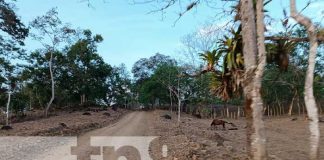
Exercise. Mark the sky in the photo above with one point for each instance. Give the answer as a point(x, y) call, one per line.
point(130, 32)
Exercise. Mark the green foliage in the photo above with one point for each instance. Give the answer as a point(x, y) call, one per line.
point(145, 67)
point(78, 71)
point(11, 24)
point(211, 58)
point(119, 86)
point(232, 49)
point(85, 69)
point(151, 91)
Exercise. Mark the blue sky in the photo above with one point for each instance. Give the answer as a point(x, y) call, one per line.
point(129, 32)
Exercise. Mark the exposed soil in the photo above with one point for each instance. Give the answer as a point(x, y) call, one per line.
point(64, 124)
point(191, 139)
point(194, 139)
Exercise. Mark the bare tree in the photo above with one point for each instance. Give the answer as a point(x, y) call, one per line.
point(312, 110)
point(50, 28)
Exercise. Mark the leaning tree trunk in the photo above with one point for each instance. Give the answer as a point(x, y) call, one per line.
point(256, 144)
point(53, 85)
point(312, 110)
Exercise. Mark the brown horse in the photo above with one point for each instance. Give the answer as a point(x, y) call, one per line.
point(217, 122)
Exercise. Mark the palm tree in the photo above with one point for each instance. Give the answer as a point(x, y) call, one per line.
point(278, 52)
point(229, 84)
point(232, 48)
point(212, 58)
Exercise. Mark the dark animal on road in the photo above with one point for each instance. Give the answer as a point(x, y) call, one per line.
point(63, 125)
point(166, 116)
point(198, 116)
point(87, 113)
point(6, 128)
point(220, 122)
point(106, 114)
point(294, 119)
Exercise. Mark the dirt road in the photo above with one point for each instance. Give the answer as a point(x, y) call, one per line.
point(53, 148)
point(133, 124)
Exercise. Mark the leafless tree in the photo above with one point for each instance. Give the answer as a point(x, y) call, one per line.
point(312, 110)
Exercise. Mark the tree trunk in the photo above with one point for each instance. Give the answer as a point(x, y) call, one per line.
point(292, 104)
point(8, 105)
point(249, 53)
point(253, 75)
point(179, 102)
point(320, 108)
point(80, 100)
point(257, 103)
point(170, 101)
point(53, 84)
point(312, 110)
point(298, 105)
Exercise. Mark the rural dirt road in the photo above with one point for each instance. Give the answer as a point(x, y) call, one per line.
point(53, 148)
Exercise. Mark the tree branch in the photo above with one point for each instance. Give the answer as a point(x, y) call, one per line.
point(217, 73)
point(294, 39)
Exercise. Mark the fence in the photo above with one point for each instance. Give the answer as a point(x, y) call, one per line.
point(273, 111)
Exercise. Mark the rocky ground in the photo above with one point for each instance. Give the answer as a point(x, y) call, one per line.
point(65, 124)
point(192, 139)
point(195, 140)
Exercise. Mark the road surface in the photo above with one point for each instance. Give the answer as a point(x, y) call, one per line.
point(132, 128)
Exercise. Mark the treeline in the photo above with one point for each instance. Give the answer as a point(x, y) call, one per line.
point(65, 72)
point(161, 81)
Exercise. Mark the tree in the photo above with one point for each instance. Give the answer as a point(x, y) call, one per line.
point(167, 75)
point(50, 28)
point(86, 69)
point(119, 90)
point(251, 16)
point(12, 26)
point(13, 33)
point(145, 67)
point(254, 62)
point(312, 110)
point(151, 92)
